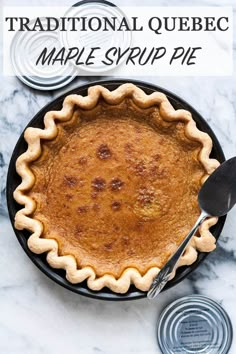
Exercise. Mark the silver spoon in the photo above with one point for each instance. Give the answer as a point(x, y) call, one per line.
point(216, 197)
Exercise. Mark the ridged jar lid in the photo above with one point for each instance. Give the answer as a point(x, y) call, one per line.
point(194, 324)
point(96, 11)
point(24, 50)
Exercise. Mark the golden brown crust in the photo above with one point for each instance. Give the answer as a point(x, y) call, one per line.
point(23, 220)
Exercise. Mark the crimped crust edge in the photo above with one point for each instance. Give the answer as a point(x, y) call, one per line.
point(205, 242)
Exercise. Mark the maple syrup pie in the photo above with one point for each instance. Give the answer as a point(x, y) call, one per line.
point(109, 187)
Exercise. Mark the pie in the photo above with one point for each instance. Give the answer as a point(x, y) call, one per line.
point(109, 187)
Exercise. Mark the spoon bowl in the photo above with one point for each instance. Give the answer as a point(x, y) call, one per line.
point(218, 194)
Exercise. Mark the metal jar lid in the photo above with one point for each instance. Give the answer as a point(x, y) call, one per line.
point(194, 324)
point(24, 50)
point(104, 39)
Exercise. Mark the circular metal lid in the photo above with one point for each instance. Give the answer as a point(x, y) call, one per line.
point(87, 38)
point(24, 51)
point(194, 324)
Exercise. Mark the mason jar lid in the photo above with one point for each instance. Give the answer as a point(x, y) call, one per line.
point(27, 45)
point(96, 10)
point(24, 50)
point(194, 324)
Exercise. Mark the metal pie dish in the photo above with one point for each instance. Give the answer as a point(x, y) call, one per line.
point(13, 180)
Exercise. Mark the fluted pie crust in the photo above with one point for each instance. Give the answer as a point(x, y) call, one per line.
point(109, 187)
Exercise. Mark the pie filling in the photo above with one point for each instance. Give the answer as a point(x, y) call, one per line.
point(117, 187)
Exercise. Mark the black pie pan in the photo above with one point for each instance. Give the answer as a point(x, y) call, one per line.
point(13, 180)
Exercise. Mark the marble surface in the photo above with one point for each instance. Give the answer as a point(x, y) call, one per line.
point(40, 317)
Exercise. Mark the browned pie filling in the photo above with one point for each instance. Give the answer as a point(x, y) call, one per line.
point(118, 187)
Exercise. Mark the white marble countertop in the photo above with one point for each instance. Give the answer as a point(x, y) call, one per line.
point(38, 316)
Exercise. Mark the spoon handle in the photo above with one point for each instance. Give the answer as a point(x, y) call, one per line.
point(163, 276)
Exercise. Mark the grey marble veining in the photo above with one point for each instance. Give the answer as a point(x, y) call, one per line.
point(38, 316)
